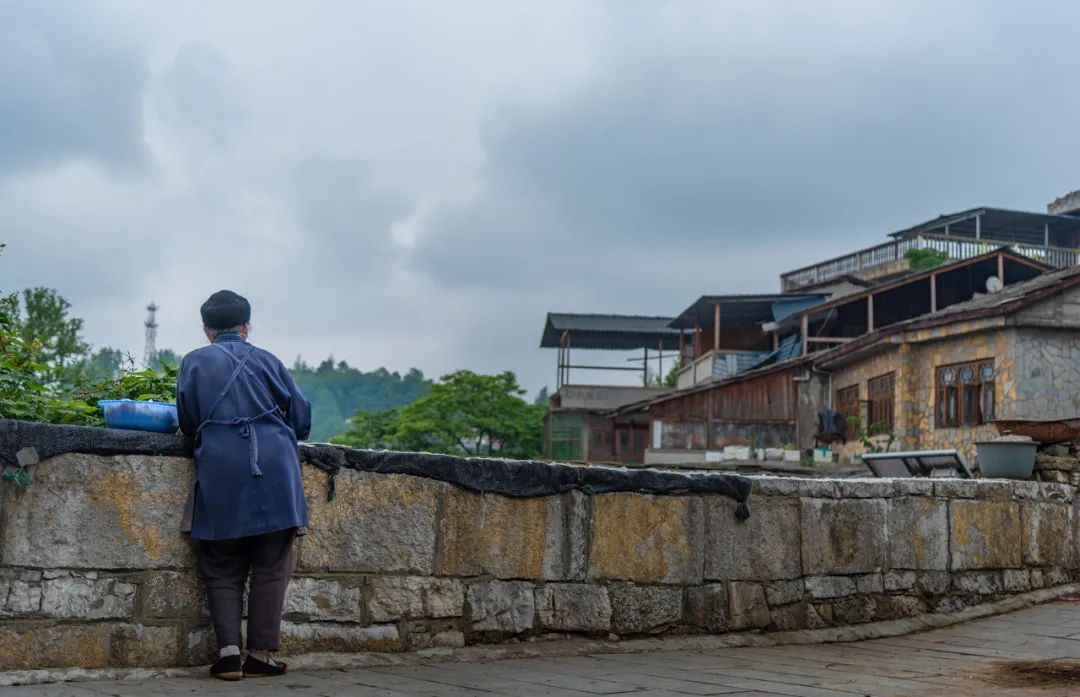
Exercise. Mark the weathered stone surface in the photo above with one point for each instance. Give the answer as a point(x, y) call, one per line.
point(1056, 577)
point(979, 582)
point(1049, 534)
point(324, 599)
point(75, 597)
point(829, 586)
point(1016, 580)
point(512, 538)
point(707, 607)
point(893, 607)
point(845, 536)
point(791, 486)
point(784, 592)
point(869, 583)
point(170, 594)
point(933, 582)
point(1056, 492)
point(420, 636)
point(573, 607)
point(644, 609)
point(854, 609)
point(411, 597)
point(377, 523)
point(865, 488)
point(985, 535)
point(788, 617)
point(20, 594)
point(315, 637)
point(90, 512)
point(501, 606)
point(647, 539)
point(956, 488)
point(97, 645)
point(899, 580)
point(201, 647)
point(912, 487)
point(918, 530)
point(749, 610)
point(756, 549)
point(1036, 579)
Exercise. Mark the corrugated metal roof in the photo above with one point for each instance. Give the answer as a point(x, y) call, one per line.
point(610, 332)
point(737, 310)
point(996, 217)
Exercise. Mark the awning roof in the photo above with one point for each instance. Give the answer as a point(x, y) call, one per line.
point(740, 310)
point(608, 332)
point(997, 224)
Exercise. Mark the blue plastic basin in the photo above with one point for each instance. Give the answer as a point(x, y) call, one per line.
point(134, 415)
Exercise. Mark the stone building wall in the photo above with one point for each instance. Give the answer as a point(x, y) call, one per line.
point(93, 573)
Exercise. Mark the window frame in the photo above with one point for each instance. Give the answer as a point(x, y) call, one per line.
point(847, 406)
point(960, 403)
point(881, 401)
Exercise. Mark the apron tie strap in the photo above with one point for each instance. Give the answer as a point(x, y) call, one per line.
point(245, 428)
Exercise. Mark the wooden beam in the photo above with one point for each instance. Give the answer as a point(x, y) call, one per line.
point(660, 361)
point(1001, 268)
point(697, 340)
point(716, 327)
point(829, 339)
point(682, 347)
point(933, 292)
point(775, 339)
point(805, 331)
point(869, 313)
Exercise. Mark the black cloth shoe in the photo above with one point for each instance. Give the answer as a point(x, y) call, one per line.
point(254, 668)
point(227, 668)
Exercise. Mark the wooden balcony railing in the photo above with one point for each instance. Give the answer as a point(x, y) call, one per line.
point(956, 248)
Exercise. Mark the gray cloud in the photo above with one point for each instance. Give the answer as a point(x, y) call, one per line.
point(400, 186)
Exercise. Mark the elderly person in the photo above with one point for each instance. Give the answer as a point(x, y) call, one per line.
point(246, 414)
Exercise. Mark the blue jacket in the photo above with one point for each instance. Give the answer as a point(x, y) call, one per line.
point(244, 411)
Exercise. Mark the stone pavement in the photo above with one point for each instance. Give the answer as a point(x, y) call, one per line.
point(1023, 653)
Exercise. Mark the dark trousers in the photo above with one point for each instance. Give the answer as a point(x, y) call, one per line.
point(225, 567)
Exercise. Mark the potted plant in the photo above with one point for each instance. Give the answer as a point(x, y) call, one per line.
point(791, 453)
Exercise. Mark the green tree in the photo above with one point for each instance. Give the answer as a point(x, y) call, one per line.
point(542, 397)
point(922, 259)
point(464, 414)
point(103, 364)
point(46, 319)
point(165, 357)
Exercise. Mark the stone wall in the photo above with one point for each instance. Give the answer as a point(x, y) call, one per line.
point(93, 573)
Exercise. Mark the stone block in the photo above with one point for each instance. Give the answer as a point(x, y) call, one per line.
point(573, 607)
point(317, 637)
point(985, 535)
point(1056, 492)
point(393, 598)
point(511, 538)
point(1025, 491)
point(748, 607)
point(89, 511)
point(912, 487)
point(854, 609)
point(793, 486)
point(956, 488)
point(647, 539)
point(20, 594)
point(918, 530)
point(644, 609)
point(865, 488)
point(756, 549)
point(933, 582)
point(324, 599)
point(75, 597)
point(174, 595)
point(829, 586)
point(1049, 534)
point(869, 583)
point(894, 607)
point(790, 617)
point(979, 582)
point(707, 607)
point(845, 536)
point(420, 636)
point(501, 606)
point(88, 646)
point(1056, 577)
point(899, 580)
point(1035, 577)
point(378, 523)
point(784, 592)
point(1016, 580)
point(201, 647)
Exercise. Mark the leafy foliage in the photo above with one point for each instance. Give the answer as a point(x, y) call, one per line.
point(922, 259)
point(876, 439)
point(337, 391)
point(463, 414)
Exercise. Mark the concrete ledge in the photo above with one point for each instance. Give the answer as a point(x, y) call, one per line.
point(581, 647)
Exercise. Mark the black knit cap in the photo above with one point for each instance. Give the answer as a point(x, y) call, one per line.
point(225, 310)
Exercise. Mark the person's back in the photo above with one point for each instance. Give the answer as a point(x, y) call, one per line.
point(245, 413)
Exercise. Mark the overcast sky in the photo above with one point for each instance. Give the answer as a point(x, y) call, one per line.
point(416, 184)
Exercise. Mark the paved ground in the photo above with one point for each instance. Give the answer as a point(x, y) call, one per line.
point(1024, 653)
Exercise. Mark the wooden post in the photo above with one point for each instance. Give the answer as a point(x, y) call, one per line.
point(805, 331)
point(978, 227)
point(566, 378)
point(682, 347)
point(933, 292)
point(1046, 235)
point(775, 339)
point(716, 328)
point(660, 361)
point(869, 313)
point(1001, 268)
point(645, 369)
point(697, 340)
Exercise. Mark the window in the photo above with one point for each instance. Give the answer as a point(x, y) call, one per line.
point(847, 403)
point(965, 394)
point(882, 401)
